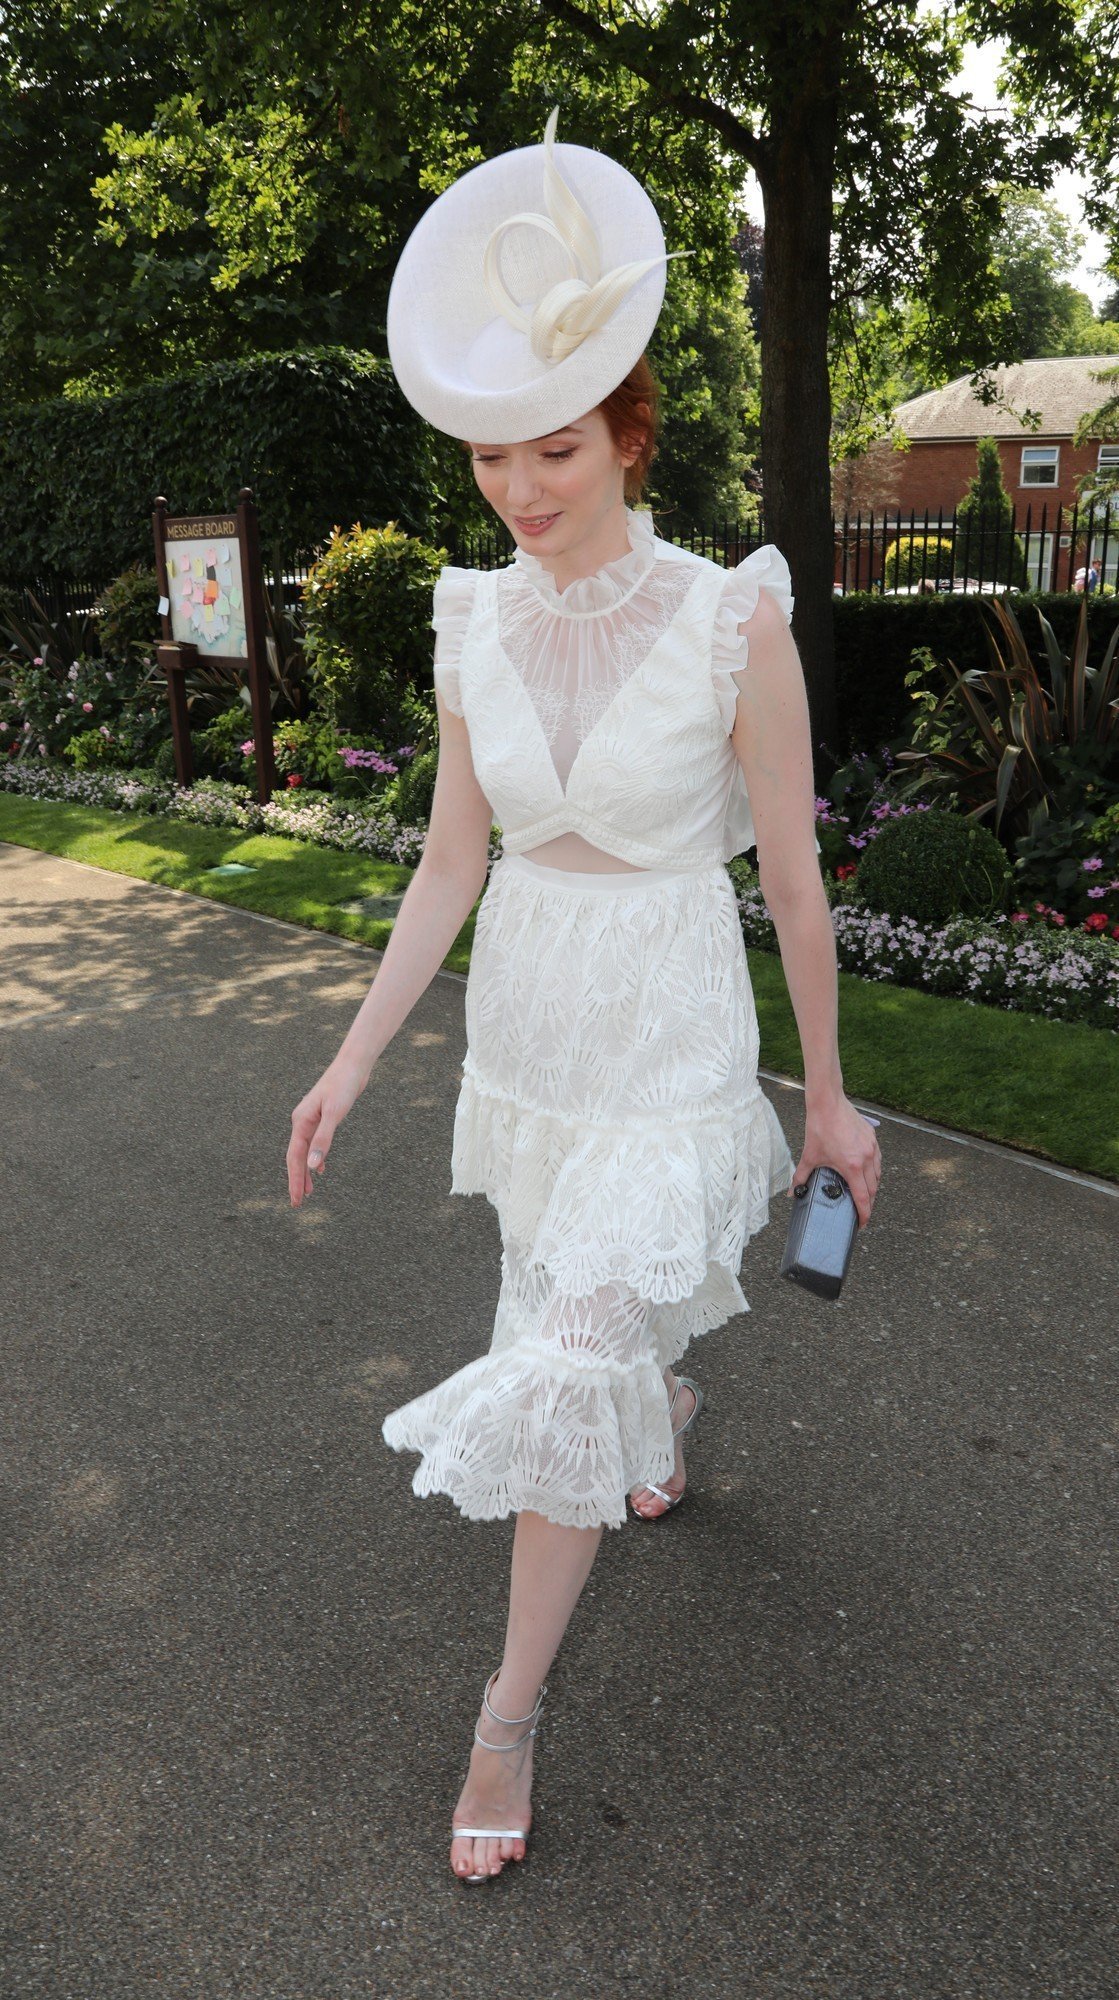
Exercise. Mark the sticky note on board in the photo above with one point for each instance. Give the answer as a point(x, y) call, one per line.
point(235, 598)
point(184, 564)
point(223, 552)
point(164, 606)
point(197, 566)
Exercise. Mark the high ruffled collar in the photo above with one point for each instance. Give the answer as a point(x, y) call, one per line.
point(607, 585)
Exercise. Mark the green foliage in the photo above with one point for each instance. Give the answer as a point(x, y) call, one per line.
point(1097, 487)
point(409, 796)
point(308, 748)
point(320, 435)
point(1037, 253)
point(985, 543)
point(217, 746)
point(916, 558)
point(1023, 737)
point(91, 750)
point(934, 865)
point(57, 703)
point(1070, 863)
point(367, 607)
point(876, 638)
point(128, 615)
point(704, 355)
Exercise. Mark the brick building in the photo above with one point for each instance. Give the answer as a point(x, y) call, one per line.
point(1040, 468)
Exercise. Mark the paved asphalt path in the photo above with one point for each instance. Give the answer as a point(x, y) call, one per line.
point(844, 1726)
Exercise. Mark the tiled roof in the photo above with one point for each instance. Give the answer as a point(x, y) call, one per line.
point(1064, 388)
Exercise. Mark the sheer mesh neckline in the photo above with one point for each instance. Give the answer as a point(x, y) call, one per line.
point(609, 585)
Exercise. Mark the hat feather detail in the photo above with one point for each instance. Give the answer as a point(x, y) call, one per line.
point(578, 305)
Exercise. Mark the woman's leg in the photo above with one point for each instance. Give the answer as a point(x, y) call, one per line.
point(550, 1566)
point(550, 1563)
point(646, 1503)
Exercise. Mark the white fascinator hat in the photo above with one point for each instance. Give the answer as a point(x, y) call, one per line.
point(506, 322)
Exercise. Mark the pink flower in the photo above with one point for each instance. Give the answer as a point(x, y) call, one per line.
point(38, 659)
point(1094, 862)
point(1020, 917)
point(294, 779)
point(248, 747)
point(1096, 922)
point(87, 707)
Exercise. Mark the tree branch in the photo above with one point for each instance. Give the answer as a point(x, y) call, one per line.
point(741, 138)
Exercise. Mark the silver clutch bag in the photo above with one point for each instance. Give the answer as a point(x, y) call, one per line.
point(822, 1230)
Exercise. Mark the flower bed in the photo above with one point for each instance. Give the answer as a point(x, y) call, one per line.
point(1000, 961)
point(1071, 977)
point(303, 815)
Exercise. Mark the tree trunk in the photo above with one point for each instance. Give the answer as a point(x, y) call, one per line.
point(796, 181)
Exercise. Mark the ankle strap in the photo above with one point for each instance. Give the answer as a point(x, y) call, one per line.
point(510, 1721)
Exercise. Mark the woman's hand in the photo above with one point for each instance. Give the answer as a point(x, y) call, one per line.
point(315, 1120)
point(836, 1135)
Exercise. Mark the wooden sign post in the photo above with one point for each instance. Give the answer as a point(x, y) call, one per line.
point(211, 604)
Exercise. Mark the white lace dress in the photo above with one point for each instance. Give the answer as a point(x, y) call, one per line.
point(609, 1106)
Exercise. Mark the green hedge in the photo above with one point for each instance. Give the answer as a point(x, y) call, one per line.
point(875, 638)
point(323, 437)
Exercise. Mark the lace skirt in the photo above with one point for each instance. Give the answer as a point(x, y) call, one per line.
point(610, 1110)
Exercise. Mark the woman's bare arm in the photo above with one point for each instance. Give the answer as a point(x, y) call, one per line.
point(447, 882)
point(772, 740)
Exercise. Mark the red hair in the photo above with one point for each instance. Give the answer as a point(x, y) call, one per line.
point(632, 412)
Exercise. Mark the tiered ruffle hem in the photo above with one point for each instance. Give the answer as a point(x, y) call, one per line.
point(610, 1110)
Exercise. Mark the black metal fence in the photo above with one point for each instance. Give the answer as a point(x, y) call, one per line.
point(1040, 548)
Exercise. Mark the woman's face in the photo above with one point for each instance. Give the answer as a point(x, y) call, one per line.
point(572, 481)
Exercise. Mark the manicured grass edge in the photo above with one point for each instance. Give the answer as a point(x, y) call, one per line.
point(1019, 1079)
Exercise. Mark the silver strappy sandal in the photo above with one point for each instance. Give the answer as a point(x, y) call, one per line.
point(511, 1722)
point(678, 1436)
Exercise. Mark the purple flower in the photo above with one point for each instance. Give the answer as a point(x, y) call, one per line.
point(1093, 862)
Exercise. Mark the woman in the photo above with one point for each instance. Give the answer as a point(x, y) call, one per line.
point(633, 715)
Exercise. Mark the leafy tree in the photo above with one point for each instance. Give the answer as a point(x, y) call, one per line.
point(1098, 488)
point(836, 105)
point(1036, 251)
point(277, 176)
point(986, 545)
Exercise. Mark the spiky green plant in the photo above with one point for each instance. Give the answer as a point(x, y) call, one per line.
point(1006, 738)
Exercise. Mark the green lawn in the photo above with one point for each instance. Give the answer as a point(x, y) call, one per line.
point(1043, 1085)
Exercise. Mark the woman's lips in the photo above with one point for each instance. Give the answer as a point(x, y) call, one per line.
point(536, 527)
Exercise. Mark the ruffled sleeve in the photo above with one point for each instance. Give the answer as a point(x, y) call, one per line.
point(451, 605)
point(763, 569)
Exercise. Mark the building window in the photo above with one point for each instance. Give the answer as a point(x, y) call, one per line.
point(1040, 553)
point(1040, 464)
point(1105, 551)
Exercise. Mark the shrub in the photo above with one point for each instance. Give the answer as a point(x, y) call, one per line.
point(410, 795)
point(1022, 738)
point(217, 748)
point(934, 865)
point(367, 606)
point(986, 545)
point(916, 558)
point(91, 750)
point(128, 615)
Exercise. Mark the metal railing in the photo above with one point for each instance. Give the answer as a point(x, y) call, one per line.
point(933, 552)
